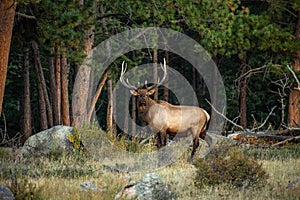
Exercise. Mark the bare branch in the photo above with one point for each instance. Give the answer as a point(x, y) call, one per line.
point(264, 120)
point(25, 16)
point(233, 123)
point(295, 77)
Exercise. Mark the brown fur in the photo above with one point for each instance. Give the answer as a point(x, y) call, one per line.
point(167, 119)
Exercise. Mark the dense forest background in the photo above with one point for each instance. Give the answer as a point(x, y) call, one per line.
point(255, 44)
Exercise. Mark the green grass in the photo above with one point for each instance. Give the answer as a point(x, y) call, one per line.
point(59, 176)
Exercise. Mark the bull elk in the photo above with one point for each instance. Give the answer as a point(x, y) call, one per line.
point(166, 119)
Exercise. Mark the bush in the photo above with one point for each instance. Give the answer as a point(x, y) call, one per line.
point(227, 164)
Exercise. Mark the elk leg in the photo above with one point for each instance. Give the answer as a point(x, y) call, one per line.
point(163, 138)
point(195, 146)
point(158, 143)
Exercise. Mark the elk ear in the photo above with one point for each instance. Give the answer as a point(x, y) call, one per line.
point(150, 92)
point(134, 93)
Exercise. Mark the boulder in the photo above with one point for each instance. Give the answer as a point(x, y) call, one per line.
point(149, 187)
point(5, 193)
point(55, 139)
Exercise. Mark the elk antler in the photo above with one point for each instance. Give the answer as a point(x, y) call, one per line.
point(159, 82)
point(126, 83)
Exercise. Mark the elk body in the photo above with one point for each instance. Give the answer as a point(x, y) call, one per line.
point(166, 119)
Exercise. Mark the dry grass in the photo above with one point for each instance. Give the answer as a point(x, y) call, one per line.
point(60, 178)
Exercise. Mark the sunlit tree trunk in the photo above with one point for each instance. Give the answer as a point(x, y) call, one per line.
point(294, 96)
point(109, 112)
point(7, 14)
point(64, 91)
point(82, 82)
point(27, 125)
point(58, 84)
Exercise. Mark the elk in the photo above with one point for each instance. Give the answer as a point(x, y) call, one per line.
point(166, 119)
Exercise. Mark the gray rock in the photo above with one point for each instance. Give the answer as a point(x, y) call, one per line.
point(87, 186)
point(5, 193)
point(149, 187)
point(54, 139)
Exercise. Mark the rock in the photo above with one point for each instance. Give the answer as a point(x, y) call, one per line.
point(5, 193)
point(149, 187)
point(54, 139)
point(87, 186)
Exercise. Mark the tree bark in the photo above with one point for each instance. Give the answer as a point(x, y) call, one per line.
point(43, 112)
point(65, 91)
point(58, 84)
point(133, 115)
point(42, 81)
point(109, 112)
point(7, 14)
point(82, 82)
point(294, 96)
point(213, 118)
point(155, 73)
point(126, 119)
point(96, 96)
point(54, 102)
point(243, 94)
point(27, 125)
point(166, 88)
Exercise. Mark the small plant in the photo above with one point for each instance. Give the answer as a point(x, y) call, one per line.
point(227, 164)
point(74, 138)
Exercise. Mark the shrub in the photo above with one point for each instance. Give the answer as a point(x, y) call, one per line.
point(227, 164)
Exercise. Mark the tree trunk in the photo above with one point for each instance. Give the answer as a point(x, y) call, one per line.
point(126, 119)
point(58, 85)
point(27, 125)
point(294, 96)
point(96, 96)
point(243, 94)
point(213, 118)
point(7, 14)
point(155, 73)
point(109, 112)
point(42, 81)
point(166, 88)
point(114, 107)
point(64, 91)
point(133, 115)
point(82, 82)
point(43, 112)
point(54, 102)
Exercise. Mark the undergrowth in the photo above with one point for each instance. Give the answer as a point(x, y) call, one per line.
point(228, 164)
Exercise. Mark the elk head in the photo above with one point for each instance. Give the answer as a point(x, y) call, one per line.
point(142, 93)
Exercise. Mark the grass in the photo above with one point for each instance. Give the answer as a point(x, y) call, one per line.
point(60, 176)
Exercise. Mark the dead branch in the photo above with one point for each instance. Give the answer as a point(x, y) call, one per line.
point(222, 115)
point(265, 121)
point(287, 140)
point(295, 77)
point(25, 15)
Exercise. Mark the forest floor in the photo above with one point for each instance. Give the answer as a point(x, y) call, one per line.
point(59, 177)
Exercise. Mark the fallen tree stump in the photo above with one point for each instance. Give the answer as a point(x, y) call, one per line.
point(270, 138)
